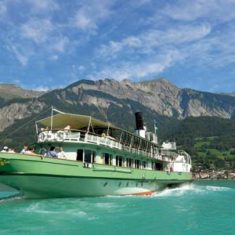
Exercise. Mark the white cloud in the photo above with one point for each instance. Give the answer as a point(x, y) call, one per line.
point(81, 68)
point(159, 49)
point(216, 50)
point(151, 40)
point(82, 21)
point(60, 44)
point(42, 88)
point(43, 5)
point(191, 10)
point(21, 57)
point(139, 70)
point(190, 32)
point(44, 39)
point(183, 34)
point(89, 15)
point(3, 9)
point(37, 30)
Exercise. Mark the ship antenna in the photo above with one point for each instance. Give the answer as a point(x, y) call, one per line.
point(51, 117)
point(155, 126)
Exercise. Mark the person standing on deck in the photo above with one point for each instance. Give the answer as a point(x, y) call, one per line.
point(52, 153)
point(25, 149)
point(61, 153)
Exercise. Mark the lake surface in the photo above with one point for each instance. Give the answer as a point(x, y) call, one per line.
point(204, 207)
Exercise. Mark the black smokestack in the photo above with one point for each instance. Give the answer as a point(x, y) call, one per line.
point(139, 121)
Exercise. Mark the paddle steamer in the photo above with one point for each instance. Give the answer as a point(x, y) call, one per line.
point(98, 159)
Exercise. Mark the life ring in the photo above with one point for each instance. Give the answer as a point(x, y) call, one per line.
point(60, 136)
point(41, 137)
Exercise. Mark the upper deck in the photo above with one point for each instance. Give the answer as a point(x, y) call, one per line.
point(72, 128)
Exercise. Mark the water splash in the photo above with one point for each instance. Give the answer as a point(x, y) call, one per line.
point(179, 191)
point(9, 196)
point(10, 199)
point(190, 189)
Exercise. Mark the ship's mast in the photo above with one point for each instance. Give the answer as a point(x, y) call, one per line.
point(51, 117)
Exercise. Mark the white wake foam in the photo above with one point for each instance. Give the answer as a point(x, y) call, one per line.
point(179, 191)
point(190, 189)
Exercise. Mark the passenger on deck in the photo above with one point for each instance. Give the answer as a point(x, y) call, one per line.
point(25, 148)
point(110, 137)
point(11, 150)
point(52, 153)
point(67, 127)
point(30, 151)
point(61, 153)
point(5, 149)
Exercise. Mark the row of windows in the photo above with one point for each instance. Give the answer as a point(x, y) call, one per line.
point(88, 156)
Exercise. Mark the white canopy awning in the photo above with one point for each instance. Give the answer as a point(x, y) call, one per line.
point(75, 121)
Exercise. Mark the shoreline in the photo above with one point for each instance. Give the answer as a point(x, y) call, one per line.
point(214, 175)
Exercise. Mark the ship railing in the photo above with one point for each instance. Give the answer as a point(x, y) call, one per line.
point(158, 157)
point(45, 136)
point(81, 136)
point(72, 136)
point(77, 136)
point(59, 136)
point(91, 138)
point(138, 151)
point(103, 140)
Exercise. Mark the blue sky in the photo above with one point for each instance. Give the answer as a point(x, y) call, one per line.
point(45, 44)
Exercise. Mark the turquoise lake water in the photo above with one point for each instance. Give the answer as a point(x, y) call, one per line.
point(206, 207)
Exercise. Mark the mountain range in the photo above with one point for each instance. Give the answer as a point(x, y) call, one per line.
point(202, 123)
point(112, 100)
point(115, 101)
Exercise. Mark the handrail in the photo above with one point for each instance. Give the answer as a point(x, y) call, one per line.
point(58, 135)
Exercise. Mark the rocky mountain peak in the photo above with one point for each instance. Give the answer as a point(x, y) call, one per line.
point(115, 98)
point(159, 86)
point(159, 95)
point(162, 82)
point(10, 91)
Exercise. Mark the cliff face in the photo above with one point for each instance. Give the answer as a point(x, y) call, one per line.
point(157, 95)
point(17, 111)
point(17, 103)
point(113, 99)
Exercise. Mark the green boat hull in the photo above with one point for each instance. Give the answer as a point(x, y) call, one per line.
point(37, 177)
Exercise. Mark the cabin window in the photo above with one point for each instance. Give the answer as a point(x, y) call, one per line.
point(144, 164)
point(119, 161)
point(89, 156)
point(153, 165)
point(137, 163)
point(80, 155)
point(129, 162)
point(108, 159)
point(158, 166)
